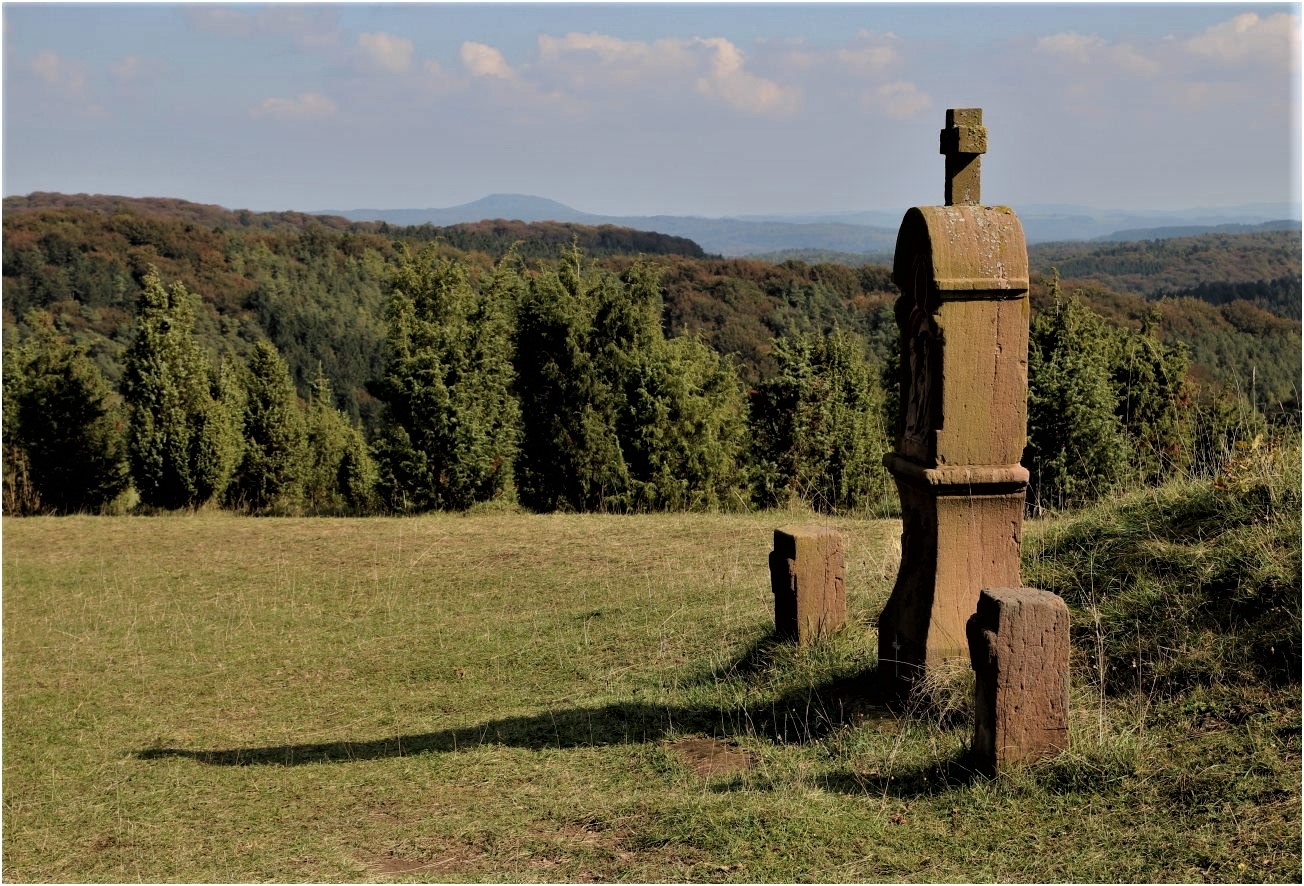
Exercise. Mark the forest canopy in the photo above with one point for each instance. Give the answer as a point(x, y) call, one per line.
point(313, 328)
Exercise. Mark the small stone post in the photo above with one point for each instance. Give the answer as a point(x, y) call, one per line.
point(807, 575)
point(963, 317)
point(1019, 646)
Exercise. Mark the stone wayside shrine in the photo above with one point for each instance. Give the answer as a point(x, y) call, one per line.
point(963, 315)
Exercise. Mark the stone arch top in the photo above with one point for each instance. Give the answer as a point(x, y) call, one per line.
point(961, 253)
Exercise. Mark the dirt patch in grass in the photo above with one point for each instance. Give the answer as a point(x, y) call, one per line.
point(710, 757)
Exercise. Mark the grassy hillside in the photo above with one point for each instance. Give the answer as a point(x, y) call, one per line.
point(499, 697)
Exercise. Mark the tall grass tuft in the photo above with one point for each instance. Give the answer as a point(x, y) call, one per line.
point(1191, 584)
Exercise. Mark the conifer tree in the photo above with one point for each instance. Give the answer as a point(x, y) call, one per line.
point(269, 476)
point(340, 475)
point(679, 406)
point(1154, 402)
point(683, 424)
point(817, 427)
point(181, 442)
point(61, 427)
point(615, 417)
point(1077, 449)
point(569, 458)
point(449, 429)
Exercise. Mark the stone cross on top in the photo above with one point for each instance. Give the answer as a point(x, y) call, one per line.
point(964, 141)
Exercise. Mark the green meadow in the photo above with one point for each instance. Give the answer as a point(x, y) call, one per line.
point(509, 697)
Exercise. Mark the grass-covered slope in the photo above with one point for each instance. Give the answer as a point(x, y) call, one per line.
point(508, 698)
point(1195, 583)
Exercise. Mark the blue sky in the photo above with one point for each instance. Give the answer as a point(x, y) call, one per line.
point(709, 109)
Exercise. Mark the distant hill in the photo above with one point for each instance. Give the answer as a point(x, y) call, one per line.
point(208, 214)
point(1261, 267)
point(825, 256)
point(494, 237)
point(1043, 223)
point(509, 207)
point(1170, 233)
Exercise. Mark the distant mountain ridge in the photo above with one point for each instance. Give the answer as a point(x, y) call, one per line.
point(868, 233)
point(721, 236)
point(510, 207)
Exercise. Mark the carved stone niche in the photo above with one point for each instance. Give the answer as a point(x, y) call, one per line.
point(963, 319)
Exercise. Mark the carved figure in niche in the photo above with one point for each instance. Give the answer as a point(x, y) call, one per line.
point(922, 378)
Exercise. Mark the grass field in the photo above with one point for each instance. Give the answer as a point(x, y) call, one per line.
point(502, 697)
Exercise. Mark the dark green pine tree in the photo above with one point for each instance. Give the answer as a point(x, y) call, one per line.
point(817, 428)
point(182, 441)
point(269, 477)
point(60, 426)
point(680, 408)
point(684, 424)
point(340, 475)
point(569, 457)
point(1077, 449)
point(1155, 402)
point(450, 424)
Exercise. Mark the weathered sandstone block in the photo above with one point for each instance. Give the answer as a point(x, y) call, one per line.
point(807, 575)
point(1019, 646)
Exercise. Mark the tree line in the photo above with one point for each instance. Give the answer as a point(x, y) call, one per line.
point(556, 387)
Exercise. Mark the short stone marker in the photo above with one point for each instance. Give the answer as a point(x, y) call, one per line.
point(1019, 646)
point(963, 317)
point(808, 577)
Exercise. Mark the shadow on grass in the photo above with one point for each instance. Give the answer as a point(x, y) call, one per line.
point(796, 717)
point(755, 660)
point(928, 780)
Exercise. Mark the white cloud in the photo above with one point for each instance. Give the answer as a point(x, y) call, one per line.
point(591, 64)
point(309, 27)
point(435, 80)
point(870, 53)
point(482, 60)
point(1248, 39)
point(1073, 46)
point(308, 106)
point(66, 78)
point(731, 83)
point(1133, 61)
point(1091, 49)
point(387, 51)
point(598, 60)
point(899, 100)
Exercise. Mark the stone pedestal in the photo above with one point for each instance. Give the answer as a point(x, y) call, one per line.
point(1019, 647)
point(807, 575)
point(963, 318)
point(959, 536)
